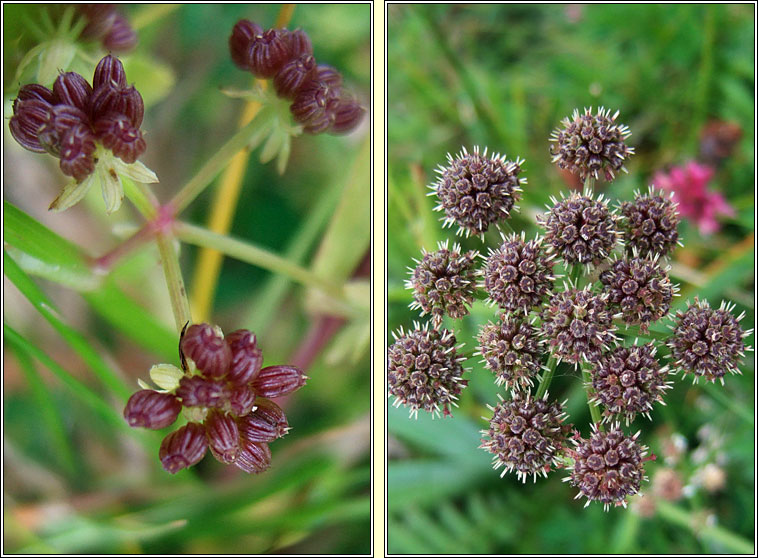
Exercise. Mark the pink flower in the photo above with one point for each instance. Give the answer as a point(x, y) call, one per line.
point(696, 203)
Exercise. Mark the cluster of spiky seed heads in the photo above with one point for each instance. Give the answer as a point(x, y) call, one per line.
point(443, 282)
point(73, 118)
point(319, 102)
point(476, 191)
point(589, 144)
point(226, 395)
point(617, 279)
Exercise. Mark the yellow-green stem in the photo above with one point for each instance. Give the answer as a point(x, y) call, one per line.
point(174, 281)
point(594, 409)
point(547, 377)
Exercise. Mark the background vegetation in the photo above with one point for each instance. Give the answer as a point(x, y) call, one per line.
point(503, 76)
point(77, 478)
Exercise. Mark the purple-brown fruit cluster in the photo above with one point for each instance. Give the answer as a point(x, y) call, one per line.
point(708, 342)
point(228, 400)
point(589, 144)
point(526, 435)
point(628, 380)
point(518, 274)
point(425, 370)
point(608, 467)
point(69, 121)
point(640, 288)
point(318, 101)
point(476, 191)
point(106, 24)
point(650, 224)
point(511, 350)
point(577, 324)
point(443, 283)
point(580, 229)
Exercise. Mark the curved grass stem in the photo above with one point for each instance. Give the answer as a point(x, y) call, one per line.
point(552, 364)
point(594, 409)
point(174, 281)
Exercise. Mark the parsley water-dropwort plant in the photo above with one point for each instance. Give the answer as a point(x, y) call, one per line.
point(207, 390)
point(592, 291)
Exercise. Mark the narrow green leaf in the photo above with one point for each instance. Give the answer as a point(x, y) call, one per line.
point(39, 251)
point(426, 481)
point(75, 340)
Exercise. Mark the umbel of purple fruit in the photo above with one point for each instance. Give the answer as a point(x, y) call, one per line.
point(227, 399)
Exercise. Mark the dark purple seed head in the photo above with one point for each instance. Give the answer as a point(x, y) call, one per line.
point(589, 144)
point(72, 89)
point(100, 18)
point(608, 467)
point(118, 134)
point(329, 76)
point(269, 52)
point(255, 428)
point(526, 435)
point(254, 457)
point(275, 381)
point(241, 400)
point(511, 350)
point(299, 44)
point(206, 346)
point(444, 283)
point(61, 119)
point(272, 413)
point(120, 37)
point(314, 106)
point(77, 152)
point(650, 224)
point(240, 41)
point(196, 391)
point(109, 72)
point(34, 91)
point(108, 99)
point(425, 371)
point(347, 115)
point(151, 409)
point(247, 358)
point(293, 75)
point(29, 116)
point(476, 191)
point(223, 436)
point(183, 448)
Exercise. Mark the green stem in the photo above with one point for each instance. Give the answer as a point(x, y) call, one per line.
point(254, 255)
point(714, 533)
point(174, 282)
point(216, 164)
point(576, 274)
point(552, 364)
point(589, 185)
point(142, 197)
point(594, 409)
point(634, 331)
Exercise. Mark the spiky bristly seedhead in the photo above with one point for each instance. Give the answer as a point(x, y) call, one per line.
point(708, 342)
point(577, 324)
point(511, 350)
point(590, 143)
point(444, 282)
point(629, 380)
point(425, 371)
point(608, 467)
point(580, 229)
point(526, 435)
point(650, 223)
point(476, 191)
point(640, 288)
point(518, 274)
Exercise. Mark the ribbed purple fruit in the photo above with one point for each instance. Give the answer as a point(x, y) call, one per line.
point(253, 457)
point(207, 349)
point(268, 52)
point(243, 34)
point(223, 436)
point(294, 75)
point(109, 72)
point(151, 409)
point(72, 89)
point(77, 150)
point(28, 118)
point(117, 133)
point(196, 391)
point(246, 356)
point(183, 448)
point(278, 380)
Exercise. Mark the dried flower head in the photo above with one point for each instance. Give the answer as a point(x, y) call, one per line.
point(577, 324)
point(526, 435)
point(443, 282)
point(588, 144)
point(476, 191)
point(640, 288)
point(708, 342)
point(425, 371)
point(650, 224)
point(629, 380)
point(511, 350)
point(518, 274)
point(580, 229)
point(608, 467)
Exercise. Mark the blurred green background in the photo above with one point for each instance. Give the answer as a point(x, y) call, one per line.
point(77, 479)
point(503, 76)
